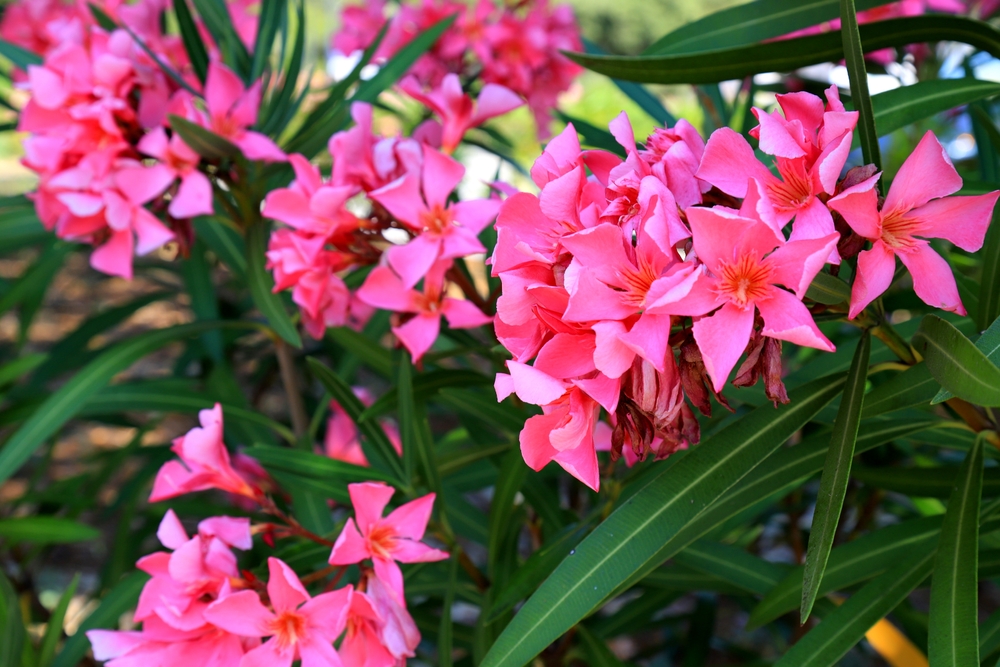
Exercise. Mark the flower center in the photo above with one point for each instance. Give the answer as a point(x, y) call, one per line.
point(745, 280)
point(898, 231)
point(791, 193)
point(381, 540)
point(637, 282)
point(288, 628)
point(437, 220)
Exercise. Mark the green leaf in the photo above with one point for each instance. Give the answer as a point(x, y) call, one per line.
point(923, 482)
point(836, 474)
point(307, 464)
point(914, 386)
point(631, 539)
point(261, 284)
point(956, 363)
point(989, 634)
point(425, 385)
point(270, 18)
point(844, 627)
point(20, 367)
point(897, 108)
point(198, 281)
point(12, 633)
point(45, 530)
point(485, 408)
point(860, 97)
point(311, 510)
point(638, 93)
point(372, 432)
point(215, 15)
point(849, 564)
point(193, 43)
point(225, 242)
point(115, 602)
point(988, 344)
point(368, 351)
point(596, 137)
point(445, 634)
point(715, 65)
point(54, 628)
point(750, 23)
point(829, 290)
point(954, 623)
point(281, 107)
point(60, 406)
point(21, 57)
point(102, 18)
point(732, 564)
point(39, 273)
point(512, 474)
point(407, 419)
point(203, 141)
point(596, 651)
point(19, 224)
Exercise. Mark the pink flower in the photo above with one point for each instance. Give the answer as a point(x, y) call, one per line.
point(232, 108)
point(384, 289)
point(810, 144)
point(198, 571)
point(206, 463)
point(194, 197)
point(456, 109)
point(445, 231)
point(380, 631)
point(343, 440)
point(159, 644)
point(310, 205)
point(385, 540)
point(916, 208)
point(301, 627)
point(743, 262)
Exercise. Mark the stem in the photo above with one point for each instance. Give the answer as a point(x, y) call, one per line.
point(290, 378)
point(885, 333)
point(468, 289)
point(292, 526)
point(325, 572)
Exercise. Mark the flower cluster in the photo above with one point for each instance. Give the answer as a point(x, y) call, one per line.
point(645, 281)
point(110, 168)
point(199, 608)
point(516, 47)
point(406, 186)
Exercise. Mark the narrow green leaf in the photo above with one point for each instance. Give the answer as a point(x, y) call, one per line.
point(225, 242)
point(895, 109)
point(202, 141)
point(989, 290)
point(954, 625)
point(445, 633)
point(750, 23)
point(988, 344)
point(912, 387)
point(20, 367)
point(12, 633)
point(280, 107)
point(308, 464)
point(368, 351)
point(425, 385)
point(732, 564)
point(198, 281)
point(596, 651)
point(407, 407)
point(311, 510)
point(22, 58)
point(193, 43)
point(60, 406)
point(40, 272)
point(715, 65)
point(372, 432)
point(836, 473)
point(923, 482)
point(629, 541)
point(484, 407)
point(103, 20)
point(860, 97)
point(215, 15)
point(114, 603)
point(512, 473)
point(262, 285)
point(844, 627)
point(638, 93)
point(270, 18)
point(956, 363)
point(45, 530)
point(19, 224)
point(596, 137)
point(989, 634)
point(54, 628)
point(829, 290)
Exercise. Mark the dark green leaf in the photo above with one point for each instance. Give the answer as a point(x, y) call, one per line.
point(202, 141)
point(193, 43)
point(596, 137)
point(597, 652)
point(737, 63)
point(638, 93)
point(311, 509)
point(509, 482)
point(225, 242)
point(307, 464)
point(20, 367)
point(914, 386)
point(102, 18)
point(21, 58)
point(12, 635)
point(484, 407)
point(854, 55)
point(829, 290)
point(445, 634)
point(897, 108)
point(732, 564)
point(54, 627)
point(19, 224)
point(114, 603)
point(989, 290)
point(368, 351)
point(836, 474)
point(956, 363)
point(954, 623)
point(989, 345)
point(630, 541)
point(425, 385)
point(215, 15)
point(989, 634)
point(45, 530)
point(262, 286)
point(270, 17)
point(923, 482)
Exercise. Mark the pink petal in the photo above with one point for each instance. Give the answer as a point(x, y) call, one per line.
point(592, 300)
point(815, 222)
point(171, 533)
point(413, 260)
point(402, 199)
point(369, 500)
point(194, 197)
point(581, 462)
point(317, 652)
point(796, 263)
point(114, 257)
point(722, 337)
point(283, 586)
point(81, 204)
point(222, 89)
point(859, 206)
point(172, 480)
point(933, 280)
point(715, 233)
point(649, 338)
point(611, 356)
point(775, 138)
point(606, 391)
point(475, 215)
point(787, 318)
point(441, 176)
point(566, 356)
point(601, 250)
point(560, 155)
point(150, 232)
point(803, 107)
point(925, 175)
point(269, 654)
point(234, 532)
point(327, 612)
point(419, 334)
point(256, 146)
point(383, 289)
point(875, 270)
point(350, 547)
point(110, 644)
point(388, 572)
point(689, 291)
point(289, 206)
point(410, 520)
point(960, 220)
point(155, 143)
point(495, 100)
point(621, 130)
point(534, 386)
point(536, 449)
point(143, 184)
point(729, 163)
point(240, 613)
point(831, 162)
point(462, 314)
point(306, 173)
point(47, 88)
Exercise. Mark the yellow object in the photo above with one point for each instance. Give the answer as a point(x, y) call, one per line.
point(894, 647)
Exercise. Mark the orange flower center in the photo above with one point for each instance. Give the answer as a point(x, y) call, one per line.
point(792, 193)
point(898, 231)
point(637, 282)
point(288, 628)
point(381, 540)
point(437, 220)
point(745, 280)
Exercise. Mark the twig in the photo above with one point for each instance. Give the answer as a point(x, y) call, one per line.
point(290, 378)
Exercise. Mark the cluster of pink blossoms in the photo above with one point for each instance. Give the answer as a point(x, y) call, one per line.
point(646, 280)
point(513, 46)
point(200, 608)
point(406, 185)
point(110, 168)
